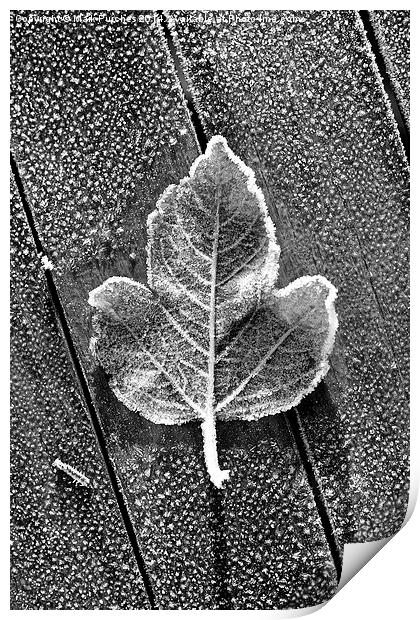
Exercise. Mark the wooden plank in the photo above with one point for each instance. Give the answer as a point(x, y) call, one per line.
point(298, 96)
point(69, 544)
point(91, 177)
point(392, 31)
point(276, 556)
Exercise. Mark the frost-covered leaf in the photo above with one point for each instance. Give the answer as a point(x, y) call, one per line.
point(210, 337)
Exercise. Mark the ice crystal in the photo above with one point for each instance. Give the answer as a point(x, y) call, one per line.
point(76, 475)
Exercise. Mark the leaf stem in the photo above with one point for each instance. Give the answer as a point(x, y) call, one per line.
point(208, 425)
point(208, 428)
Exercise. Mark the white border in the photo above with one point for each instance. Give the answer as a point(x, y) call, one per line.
point(387, 587)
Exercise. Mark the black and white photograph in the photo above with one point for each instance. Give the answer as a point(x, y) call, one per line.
point(209, 304)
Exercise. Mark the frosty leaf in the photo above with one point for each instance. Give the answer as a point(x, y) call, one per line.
point(210, 337)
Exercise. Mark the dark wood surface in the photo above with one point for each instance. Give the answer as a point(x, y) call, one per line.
point(301, 101)
point(99, 129)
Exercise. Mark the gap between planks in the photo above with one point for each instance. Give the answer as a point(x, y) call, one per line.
point(195, 117)
point(380, 63)
point(298, 433)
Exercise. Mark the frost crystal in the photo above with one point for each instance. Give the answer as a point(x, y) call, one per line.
point(72, 472)
point(46, 263)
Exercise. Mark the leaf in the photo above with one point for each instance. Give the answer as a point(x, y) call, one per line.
point(210, 337)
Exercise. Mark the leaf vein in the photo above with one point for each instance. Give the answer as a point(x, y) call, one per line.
point(239, 240)
point(234, 393)
point(243, 264)
point(178, 285)
point(187, 238)
point(183, 332)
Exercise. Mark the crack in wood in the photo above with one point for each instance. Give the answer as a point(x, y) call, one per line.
point(298, 434)
point(195, 117)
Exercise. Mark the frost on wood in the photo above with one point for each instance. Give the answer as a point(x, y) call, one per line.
point(392, 29)
point(210, 337)
point(76, 475)
point(69, 548)
point(97, 119)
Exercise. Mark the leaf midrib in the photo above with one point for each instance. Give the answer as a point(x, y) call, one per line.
point(212, 315)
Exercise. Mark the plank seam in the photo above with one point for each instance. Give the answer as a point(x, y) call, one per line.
point(389, 90)
point(195, 117)
point(295, 426)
